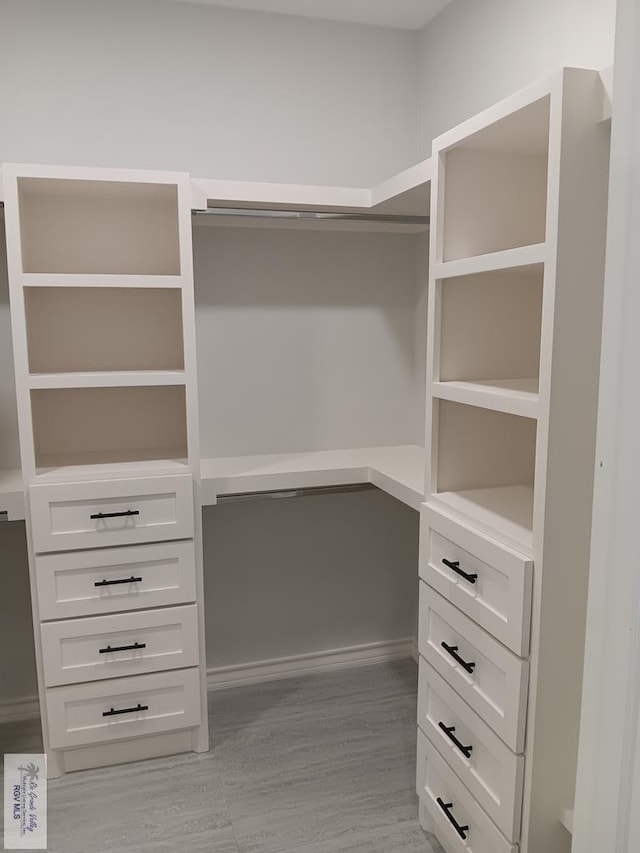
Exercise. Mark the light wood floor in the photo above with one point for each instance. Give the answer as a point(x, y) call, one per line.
point(321, 764)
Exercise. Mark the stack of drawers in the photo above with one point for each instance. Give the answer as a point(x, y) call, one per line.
point(116, 589)
point(474, 624)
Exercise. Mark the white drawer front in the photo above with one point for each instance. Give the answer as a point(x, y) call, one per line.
point(488, 581)
point(83, 714)
point(437, 787)
point(111, 512)
point(120, 644)
point(85, 583)
point(488, 768)
point(488, 676)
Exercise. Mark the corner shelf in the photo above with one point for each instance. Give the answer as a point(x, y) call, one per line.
point(511, 396)
point(396, 470)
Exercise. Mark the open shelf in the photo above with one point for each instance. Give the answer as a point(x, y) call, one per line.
point(495, 192)
point(72, 329)
point(486, 458)
point(107, 380)
point(489, 332)
point(89, 426)
point(523, 258)
point(396, 470)
point(513, 396)
point(503, 510)
point(102, 227)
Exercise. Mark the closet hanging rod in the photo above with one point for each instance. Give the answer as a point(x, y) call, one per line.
point(309, 215)
point(313, 215)
point(305, 492)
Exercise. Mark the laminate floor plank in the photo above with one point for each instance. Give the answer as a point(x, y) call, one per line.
point(319, 759)
point(318, 764)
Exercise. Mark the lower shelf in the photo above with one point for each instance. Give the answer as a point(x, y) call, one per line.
point(396, 470)
point(399, 471)
point(505, 511)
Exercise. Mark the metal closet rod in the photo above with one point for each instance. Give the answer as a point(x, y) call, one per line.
point(314, 215)
point(307, 491)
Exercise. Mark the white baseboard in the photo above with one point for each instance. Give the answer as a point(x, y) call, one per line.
point(325, 661)
point(25, 708)
point(415, 654)
point(28, 707)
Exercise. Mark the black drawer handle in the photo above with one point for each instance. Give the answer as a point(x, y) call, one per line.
point(453, 651)
point(134, 647)
point(113, 713)
point(449, 731)
point(454, 565)
point(120, 580)
point(446, 808)
point(115, 514)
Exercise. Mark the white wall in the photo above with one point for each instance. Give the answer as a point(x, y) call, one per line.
point(216, 92)
point(294, 576)
point(17, 655)
point(307, 339)
point(477, 52)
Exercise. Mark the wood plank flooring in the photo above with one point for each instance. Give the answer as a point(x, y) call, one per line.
point(320, 764)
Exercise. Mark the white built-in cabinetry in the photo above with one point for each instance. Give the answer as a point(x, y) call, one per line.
point(309, 375)
point(515, 294)
point(101, 285)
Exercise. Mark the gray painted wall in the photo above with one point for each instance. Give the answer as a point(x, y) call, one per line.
point(215, 92)
point(476, 52)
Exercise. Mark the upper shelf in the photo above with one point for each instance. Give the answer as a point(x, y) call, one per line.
point(398, 204)
point(101, 227)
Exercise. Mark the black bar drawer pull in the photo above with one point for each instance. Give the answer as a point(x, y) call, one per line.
point(133, 647)
point(454, 565)
point(113, 713)
point(453, 651)
point(449, 731)
point(115, 514)
point(446, 808)
point(120, 580)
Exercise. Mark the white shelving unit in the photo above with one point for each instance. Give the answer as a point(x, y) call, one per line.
point(104, 343)
point(515, 297)
point(101, 288)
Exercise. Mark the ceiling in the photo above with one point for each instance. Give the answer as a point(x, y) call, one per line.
point(406, 14)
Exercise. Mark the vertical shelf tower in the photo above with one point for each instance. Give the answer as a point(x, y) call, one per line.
point(101, 288)
point(517, 248)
